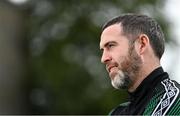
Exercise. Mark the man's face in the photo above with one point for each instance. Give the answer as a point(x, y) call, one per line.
point(121, 59)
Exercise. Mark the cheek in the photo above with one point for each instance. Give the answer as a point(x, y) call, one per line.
point(123, 62)
point(121, 58)
point(126, 63)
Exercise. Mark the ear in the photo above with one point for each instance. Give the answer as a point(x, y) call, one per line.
point(142, 43)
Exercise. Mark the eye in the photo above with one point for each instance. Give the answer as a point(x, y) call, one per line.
point(110, 45)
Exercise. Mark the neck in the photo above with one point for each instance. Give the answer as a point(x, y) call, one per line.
point(141, 75)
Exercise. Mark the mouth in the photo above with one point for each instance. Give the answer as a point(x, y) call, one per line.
point(109, 67)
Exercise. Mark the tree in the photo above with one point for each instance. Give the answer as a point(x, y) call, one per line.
point(66, 76)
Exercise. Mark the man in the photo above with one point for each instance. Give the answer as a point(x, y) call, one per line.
point(132, 46)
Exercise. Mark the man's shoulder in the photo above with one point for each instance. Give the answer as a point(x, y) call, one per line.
point(167, 86)
point(176, 84)
point(166, 99)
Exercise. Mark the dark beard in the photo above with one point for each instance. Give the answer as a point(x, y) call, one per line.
point(131, 67)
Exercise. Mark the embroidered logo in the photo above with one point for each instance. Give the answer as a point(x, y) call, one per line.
point(168, 99)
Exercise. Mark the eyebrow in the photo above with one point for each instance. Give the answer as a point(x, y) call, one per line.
point(107, 43)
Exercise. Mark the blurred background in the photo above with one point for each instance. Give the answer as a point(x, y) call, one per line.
point(50, 58)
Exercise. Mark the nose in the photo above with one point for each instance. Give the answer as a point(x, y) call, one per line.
point(105, 57)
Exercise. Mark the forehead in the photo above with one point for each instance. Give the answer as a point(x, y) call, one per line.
point(115, 29)
point(111, 33)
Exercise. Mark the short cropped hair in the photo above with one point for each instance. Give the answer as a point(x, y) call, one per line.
point(134, 25)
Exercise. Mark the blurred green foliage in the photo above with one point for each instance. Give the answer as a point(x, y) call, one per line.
point(66, 74)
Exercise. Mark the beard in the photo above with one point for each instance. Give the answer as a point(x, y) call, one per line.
point(120, 81)
point(130, 69)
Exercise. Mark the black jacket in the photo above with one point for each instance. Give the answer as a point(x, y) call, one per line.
point(157, 95)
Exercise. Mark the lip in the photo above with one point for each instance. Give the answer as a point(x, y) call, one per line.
point(110, 67)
